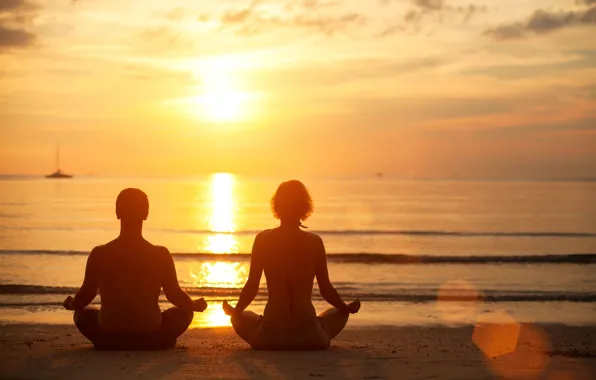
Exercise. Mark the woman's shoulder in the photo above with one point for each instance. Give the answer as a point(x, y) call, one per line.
point(313, 237)
point(265, 232)
point(271, 233)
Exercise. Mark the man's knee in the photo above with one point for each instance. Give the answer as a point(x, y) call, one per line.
point(189, 316)
point(180, 314)
point(76, 316)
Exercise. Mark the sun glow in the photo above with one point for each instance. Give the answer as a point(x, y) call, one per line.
point(221, 100)
point(213, 316)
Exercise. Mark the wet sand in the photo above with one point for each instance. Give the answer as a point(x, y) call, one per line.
point(553, 352)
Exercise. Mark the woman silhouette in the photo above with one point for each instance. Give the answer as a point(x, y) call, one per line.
point(291, 258)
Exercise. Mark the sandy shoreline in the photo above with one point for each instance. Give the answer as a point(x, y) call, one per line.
point(548, 352)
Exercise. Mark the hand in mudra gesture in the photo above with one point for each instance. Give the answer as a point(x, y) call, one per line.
point(67, 304)
point(200, 305)
point(353, 307)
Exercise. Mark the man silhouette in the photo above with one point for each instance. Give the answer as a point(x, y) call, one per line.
point(129, 273)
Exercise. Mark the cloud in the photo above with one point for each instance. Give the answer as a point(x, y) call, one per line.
point(344, 73)
point(14, 38)
point(437, 9)
point(14, 16)
point(578, 60)
point(431, 5)
point(314, 4)
point(11, 4)
point(542, 22)
point(470, 11)
point(252, 21)
point(240, 16)
point(236, 17)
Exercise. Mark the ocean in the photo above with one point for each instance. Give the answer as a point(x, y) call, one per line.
point(414, 252)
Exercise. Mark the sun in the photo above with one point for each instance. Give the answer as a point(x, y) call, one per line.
point(220, 98)
point(222, 104)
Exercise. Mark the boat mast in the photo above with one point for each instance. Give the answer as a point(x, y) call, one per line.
point(58, 157)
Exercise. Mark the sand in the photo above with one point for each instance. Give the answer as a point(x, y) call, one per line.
point(522, 351)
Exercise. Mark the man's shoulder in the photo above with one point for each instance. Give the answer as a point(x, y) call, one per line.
point(100, 248)
point(160, 249)
point(158, 252)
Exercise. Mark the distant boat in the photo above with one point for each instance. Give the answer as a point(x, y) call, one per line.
point(58, 174)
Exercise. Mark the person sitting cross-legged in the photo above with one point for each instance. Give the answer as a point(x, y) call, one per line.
point(291, 259)
point(129, 273)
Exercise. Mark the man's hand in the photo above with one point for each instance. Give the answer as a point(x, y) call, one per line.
point(199, 305)
point(68, 303)
point(353, 307)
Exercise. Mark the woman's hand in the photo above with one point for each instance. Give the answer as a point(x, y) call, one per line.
point(352, 307)
point(228, 309)
point(199, 305)
point(67, 304)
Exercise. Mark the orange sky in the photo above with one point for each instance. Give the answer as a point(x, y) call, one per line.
point(412, 88)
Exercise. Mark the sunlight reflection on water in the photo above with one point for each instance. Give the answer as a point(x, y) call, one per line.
point(222, 216)
point(220, 274)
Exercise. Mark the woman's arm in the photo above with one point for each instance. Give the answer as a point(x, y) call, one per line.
point(328, 291)
point(251, 288)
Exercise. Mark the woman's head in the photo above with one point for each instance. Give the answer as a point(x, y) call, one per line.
point(292, 202)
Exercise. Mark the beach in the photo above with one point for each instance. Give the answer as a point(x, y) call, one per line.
point(458, 280)
point(542, 352)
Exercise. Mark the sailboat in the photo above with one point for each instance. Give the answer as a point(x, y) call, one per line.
point(58, 174)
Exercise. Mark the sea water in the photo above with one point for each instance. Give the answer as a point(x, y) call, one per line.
point(414, 252)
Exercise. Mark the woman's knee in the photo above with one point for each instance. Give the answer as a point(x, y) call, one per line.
point(85, 316)
point(245, 324)
point(335, 313)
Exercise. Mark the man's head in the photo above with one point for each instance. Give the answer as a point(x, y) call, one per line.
point(132, 205)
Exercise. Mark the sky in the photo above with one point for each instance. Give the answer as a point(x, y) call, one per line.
point(316, 88)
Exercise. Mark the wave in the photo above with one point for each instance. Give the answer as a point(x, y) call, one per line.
point(409, 233)
point(398, 295)
point(369, 258)
point(429, 233)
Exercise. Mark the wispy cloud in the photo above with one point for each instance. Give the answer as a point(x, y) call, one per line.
point(436, 9)
point(542, 22)
point(15, 15)
point(14, 38)
point(431, 5)
point(251, 20)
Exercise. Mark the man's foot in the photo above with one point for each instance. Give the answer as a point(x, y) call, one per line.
point(228, 309)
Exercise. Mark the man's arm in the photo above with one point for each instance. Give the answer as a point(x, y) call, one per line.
point(88, 290)
point(172, 290)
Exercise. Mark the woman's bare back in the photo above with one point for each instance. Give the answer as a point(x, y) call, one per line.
point(289, 262)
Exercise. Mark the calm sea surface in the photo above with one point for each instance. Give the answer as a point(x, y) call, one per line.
point(424, 252)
